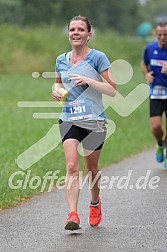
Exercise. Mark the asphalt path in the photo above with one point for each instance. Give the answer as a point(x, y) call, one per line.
point(134, 195)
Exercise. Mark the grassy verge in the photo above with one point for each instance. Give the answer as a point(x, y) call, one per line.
point(27, 50)
point(19, 130)
point(24, 51)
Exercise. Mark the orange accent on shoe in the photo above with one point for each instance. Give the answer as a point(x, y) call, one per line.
point(95, 215)
point(72, 222)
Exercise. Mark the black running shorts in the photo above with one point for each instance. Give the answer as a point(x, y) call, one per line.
point(157, 107)
point(90, 140)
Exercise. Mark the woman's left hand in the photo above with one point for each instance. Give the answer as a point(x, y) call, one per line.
point(79, 79)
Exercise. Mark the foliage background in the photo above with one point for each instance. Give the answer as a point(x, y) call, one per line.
point(121, 16)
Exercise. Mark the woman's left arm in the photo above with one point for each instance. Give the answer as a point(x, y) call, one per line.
point(107, 86)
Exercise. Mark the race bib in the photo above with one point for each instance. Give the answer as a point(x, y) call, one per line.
point(78, 110)
point(158, 92)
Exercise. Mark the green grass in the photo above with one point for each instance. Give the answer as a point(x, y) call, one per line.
point(19, 130)
point(24, 51)
point(27, 50)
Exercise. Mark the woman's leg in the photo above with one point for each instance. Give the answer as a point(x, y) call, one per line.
point(91, 164)
point(72, 172)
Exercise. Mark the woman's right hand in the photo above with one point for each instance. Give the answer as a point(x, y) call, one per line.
point(56, 93)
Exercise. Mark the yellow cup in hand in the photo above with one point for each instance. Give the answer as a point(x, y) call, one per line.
point(64, 94)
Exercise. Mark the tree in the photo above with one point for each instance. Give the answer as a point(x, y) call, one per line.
point(151, 9)
point(36, 12)
point(122, 16)
point(117, 15)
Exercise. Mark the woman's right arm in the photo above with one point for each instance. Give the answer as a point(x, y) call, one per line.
point(56, 93)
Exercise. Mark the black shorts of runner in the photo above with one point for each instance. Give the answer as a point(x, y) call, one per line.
point(157, 107)
point(90, 140)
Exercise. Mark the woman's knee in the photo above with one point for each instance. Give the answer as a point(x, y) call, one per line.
point(72, 168)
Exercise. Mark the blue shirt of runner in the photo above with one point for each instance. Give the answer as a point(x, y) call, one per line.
point(88, 98)
point(155, 57)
